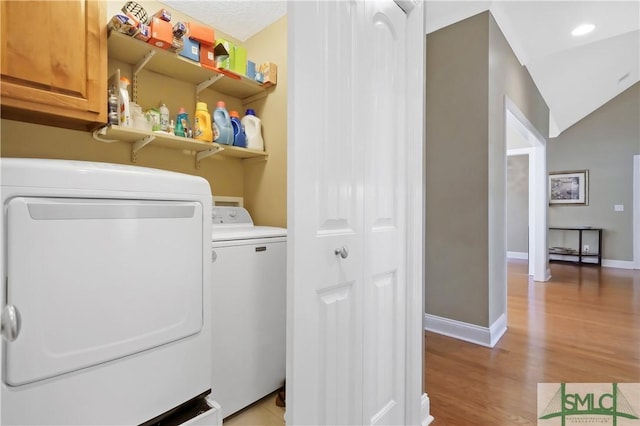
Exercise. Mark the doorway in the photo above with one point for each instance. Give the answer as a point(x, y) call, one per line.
point(522, 138)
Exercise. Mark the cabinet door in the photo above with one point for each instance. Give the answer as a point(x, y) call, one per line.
point(54, 62)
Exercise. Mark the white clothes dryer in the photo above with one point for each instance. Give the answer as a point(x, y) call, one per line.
point(106, 294)
point(248, 314)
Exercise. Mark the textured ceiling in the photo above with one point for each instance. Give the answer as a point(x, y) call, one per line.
point(240, 18)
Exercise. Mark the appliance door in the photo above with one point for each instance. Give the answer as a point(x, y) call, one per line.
point(248, 320)
point(94, 280)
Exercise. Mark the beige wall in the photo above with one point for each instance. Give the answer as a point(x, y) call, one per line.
point(266, 182)
point(227, 176)
point(470, 69)
point(604, 143)
point(35, 141)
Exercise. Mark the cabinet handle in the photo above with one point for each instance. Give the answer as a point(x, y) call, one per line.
point(343, 252)
point(10, 319)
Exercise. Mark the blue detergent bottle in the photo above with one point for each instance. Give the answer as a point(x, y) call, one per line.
point(182, 123)
point(222, 129)
point(239, 137)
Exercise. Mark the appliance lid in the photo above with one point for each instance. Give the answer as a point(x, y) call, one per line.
point(234, 223)
point(231, 233)
point(73, 174)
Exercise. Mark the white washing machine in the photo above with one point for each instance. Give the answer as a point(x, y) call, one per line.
point(248, 308)
point(105, 297)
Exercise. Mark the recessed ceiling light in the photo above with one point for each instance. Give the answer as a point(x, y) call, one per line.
point(583, 29)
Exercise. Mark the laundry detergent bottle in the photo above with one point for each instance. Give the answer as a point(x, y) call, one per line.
point(202, 123)
point(123, 101)
point(239, 138)
point(182, 123)
point(253, 130)
point(222, 129)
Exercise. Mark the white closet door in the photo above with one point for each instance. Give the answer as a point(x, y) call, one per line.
point(325, 156)
point(384, 286)
point(345, 323)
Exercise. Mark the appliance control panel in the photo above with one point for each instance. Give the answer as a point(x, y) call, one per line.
point(229, 215)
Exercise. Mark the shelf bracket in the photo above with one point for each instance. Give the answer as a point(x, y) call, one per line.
point(136, 70)
point(138, 145)
point(208, 82)
point(144, 61)
point(103, 131)
point(208, 153)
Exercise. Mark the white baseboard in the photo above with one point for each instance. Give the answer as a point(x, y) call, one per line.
point(425, 418)
point(497, 329)
point(517, 255)
point(607, 263)
point(484, 336)
point(621, 264)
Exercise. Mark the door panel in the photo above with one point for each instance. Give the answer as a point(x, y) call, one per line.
point(386, 112)
point(73, 317)
point(334, 94)
point(384, 268)
point(345, 355)
point(337, 361)
point(324, 368)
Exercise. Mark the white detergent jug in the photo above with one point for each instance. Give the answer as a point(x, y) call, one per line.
point(124, 112)
point(253, 130)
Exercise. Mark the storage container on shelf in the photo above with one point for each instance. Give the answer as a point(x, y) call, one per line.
point(253, 130)
point(164, 118)
point(182, 123)
point(239, 137)
point(123, 101)
point(202, 123)
point(113, 106)
point(222, 129)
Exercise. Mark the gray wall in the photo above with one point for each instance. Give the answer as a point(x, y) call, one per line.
point(518, 203)
point(456, 261)
point(604, 143)
point(470, 68)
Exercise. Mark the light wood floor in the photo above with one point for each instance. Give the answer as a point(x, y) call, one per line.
point(582, 326)
point(262, 413)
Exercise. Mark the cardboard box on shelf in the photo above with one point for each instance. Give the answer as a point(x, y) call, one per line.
point(267, 74)
point(191, 49)
point(251, 70)
point(161, 33)
point(207, 56)
point(239, 65)
point(163, 14)
point(123, 24)
point(201, 33)
point(144, 32)
point(226, 63)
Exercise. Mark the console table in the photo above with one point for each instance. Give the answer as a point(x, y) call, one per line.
point(580, 254)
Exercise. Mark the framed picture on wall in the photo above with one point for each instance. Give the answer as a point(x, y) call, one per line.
point(569, 188)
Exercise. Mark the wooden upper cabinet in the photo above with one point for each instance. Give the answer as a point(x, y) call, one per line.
point(54, 62)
